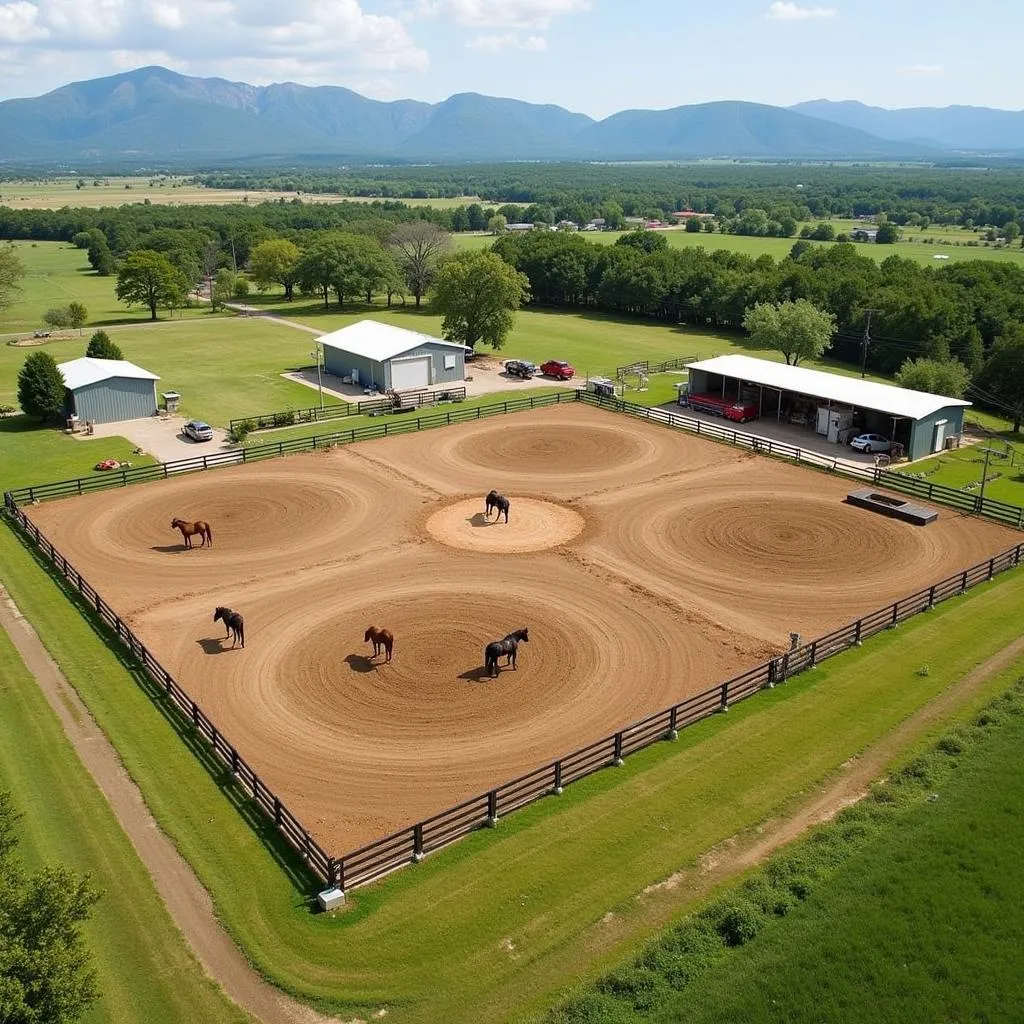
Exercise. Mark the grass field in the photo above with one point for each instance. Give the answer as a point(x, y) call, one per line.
point(505, 917)
point(963, 468)
point(145, 971)
point(779, 248)
point(921, 919)
point(57, 274)
point(53, 193)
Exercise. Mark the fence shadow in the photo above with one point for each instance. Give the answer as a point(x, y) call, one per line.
point(300, 877)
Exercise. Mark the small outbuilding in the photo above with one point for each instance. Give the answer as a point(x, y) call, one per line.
point(108, 390)
point(385, 357)
point(833, 406)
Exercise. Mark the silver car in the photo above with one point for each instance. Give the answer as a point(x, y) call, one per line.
point(197, 430)
point(870, 443)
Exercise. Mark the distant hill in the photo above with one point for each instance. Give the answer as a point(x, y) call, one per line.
point(959, 128)
point(153, 116)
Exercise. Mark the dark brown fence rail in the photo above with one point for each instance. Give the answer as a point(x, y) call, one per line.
point(415, 399)
point(238, 456)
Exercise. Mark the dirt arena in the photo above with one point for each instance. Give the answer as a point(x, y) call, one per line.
point(647, 565)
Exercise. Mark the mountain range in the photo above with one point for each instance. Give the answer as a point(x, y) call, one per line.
point(153, 116)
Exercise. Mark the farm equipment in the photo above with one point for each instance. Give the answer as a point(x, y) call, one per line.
point(601, 386)
point(736, 410)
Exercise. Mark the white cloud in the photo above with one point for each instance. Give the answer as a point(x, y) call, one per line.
point(923, 70)
point(310, 41)
point(512, 14)
point(507, 41)
point(786, 10)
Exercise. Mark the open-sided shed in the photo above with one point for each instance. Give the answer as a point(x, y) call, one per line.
point(108, 390)
point(835, 406)
point(382, 356)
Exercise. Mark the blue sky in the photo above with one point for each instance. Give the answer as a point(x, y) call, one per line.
point(594, 56)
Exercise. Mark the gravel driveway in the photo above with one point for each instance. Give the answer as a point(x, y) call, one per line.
point(162, 438)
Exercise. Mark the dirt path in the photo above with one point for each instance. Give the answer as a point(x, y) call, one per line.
point(188, 902)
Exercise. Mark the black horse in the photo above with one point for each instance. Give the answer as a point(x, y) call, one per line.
point(497, 501)
point(497, 648)
point(233, 623)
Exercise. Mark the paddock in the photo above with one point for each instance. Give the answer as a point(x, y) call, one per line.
point(647, 564)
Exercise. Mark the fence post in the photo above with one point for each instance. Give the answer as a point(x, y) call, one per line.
point(785, 666)
point(417, 842)
point(1016, 552)
point(724, 706)
point(991, 568)
point(895, 613)
point(814, 653)
point(492, 808)
point(963, 581)
point(277, 811)
point(617, 751)
point(332, 872)
point(931, 598)
point(558, 778)
point(234, 761)
point(673, 728)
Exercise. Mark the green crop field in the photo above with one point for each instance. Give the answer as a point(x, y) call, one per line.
point(57, 274)
point(919, 916)
point(779, 248)
point(144, 969)
point(54, 193)
point(500, 922)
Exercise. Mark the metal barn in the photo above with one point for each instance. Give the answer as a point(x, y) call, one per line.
point(108, 390)
point(834, 406)
point(381, 356)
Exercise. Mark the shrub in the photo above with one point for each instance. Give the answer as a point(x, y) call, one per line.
point(240, 431)
point(41, 387)
point(739, 922)
point(284, 419)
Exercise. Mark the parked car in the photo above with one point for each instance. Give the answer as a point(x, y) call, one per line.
point(520, 368)
point(197, 430)
point(558, 369)
point(870, 443)
point(41, 334)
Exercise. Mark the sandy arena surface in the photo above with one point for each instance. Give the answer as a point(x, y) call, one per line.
point(647, 564)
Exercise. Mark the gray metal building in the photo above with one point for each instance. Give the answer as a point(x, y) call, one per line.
point(381, 356)
point(832, 404)
point(108, 390)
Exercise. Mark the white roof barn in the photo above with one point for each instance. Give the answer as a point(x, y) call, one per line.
point(108, 390)
point(78, 373)
point(373, 340)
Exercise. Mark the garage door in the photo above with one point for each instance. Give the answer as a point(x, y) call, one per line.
point(410, 373)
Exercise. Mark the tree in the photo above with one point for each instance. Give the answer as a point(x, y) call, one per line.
point(41, 388)
point(475, 219)
point(477, 292)
point(241, 288)
point(888, 233)
point(645, 241)
point(12, 270)
point(57, 318)
point(693, 225)
point(418, 246)
point(1003, 373)
point(273, 262)
point(799, 330)
point(947, 377)
point(150, 279)
point(223, 289)
point(45, 974)
point(346, 264)
point(101, 347)
point(496, 225)
point(77, 315)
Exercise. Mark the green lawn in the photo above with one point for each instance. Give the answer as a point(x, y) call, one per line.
point(962, 468)
point(504, 918)
point(779, 247)
point(922, 919)
point(58, 273)
point(145, 970)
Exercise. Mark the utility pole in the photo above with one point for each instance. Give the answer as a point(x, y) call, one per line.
point(319, 379)
point(989, 452)
point(865, 341)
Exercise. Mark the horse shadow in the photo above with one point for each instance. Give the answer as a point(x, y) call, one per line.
point(169, 549)
point(479, 519)
point(477, 675)
point(360, 663)
point(215, 645)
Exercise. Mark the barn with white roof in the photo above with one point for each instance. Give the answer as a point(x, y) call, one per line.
point(108, 390)
point(382, 356)
point(832, 405)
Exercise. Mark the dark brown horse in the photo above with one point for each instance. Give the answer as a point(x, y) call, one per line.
point(380, 638)
point(493, 651)
point(234, 624)
point(189, 530)
point(496, 501)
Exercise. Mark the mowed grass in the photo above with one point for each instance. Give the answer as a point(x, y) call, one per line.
point(779, 248)
point(58, 273)
point(964, 467)
point(54, 193)
point(924, 922)
point(497, 925)
point(144, 969)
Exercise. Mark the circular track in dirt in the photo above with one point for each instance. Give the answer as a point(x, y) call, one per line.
point(533, 525)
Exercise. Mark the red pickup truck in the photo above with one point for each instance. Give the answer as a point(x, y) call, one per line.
point(557, 369)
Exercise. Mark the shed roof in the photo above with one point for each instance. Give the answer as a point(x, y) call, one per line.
point(863, 394)
point(373, 340)
point(80, 372)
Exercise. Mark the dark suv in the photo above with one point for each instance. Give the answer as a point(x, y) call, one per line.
point(520, 368)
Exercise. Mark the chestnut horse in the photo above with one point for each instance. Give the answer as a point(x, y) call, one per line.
point(233, 623)
point(380, 638)
point(189, 530)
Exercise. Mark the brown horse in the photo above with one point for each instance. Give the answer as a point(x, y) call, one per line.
point(380, 638)
point(189, 530)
